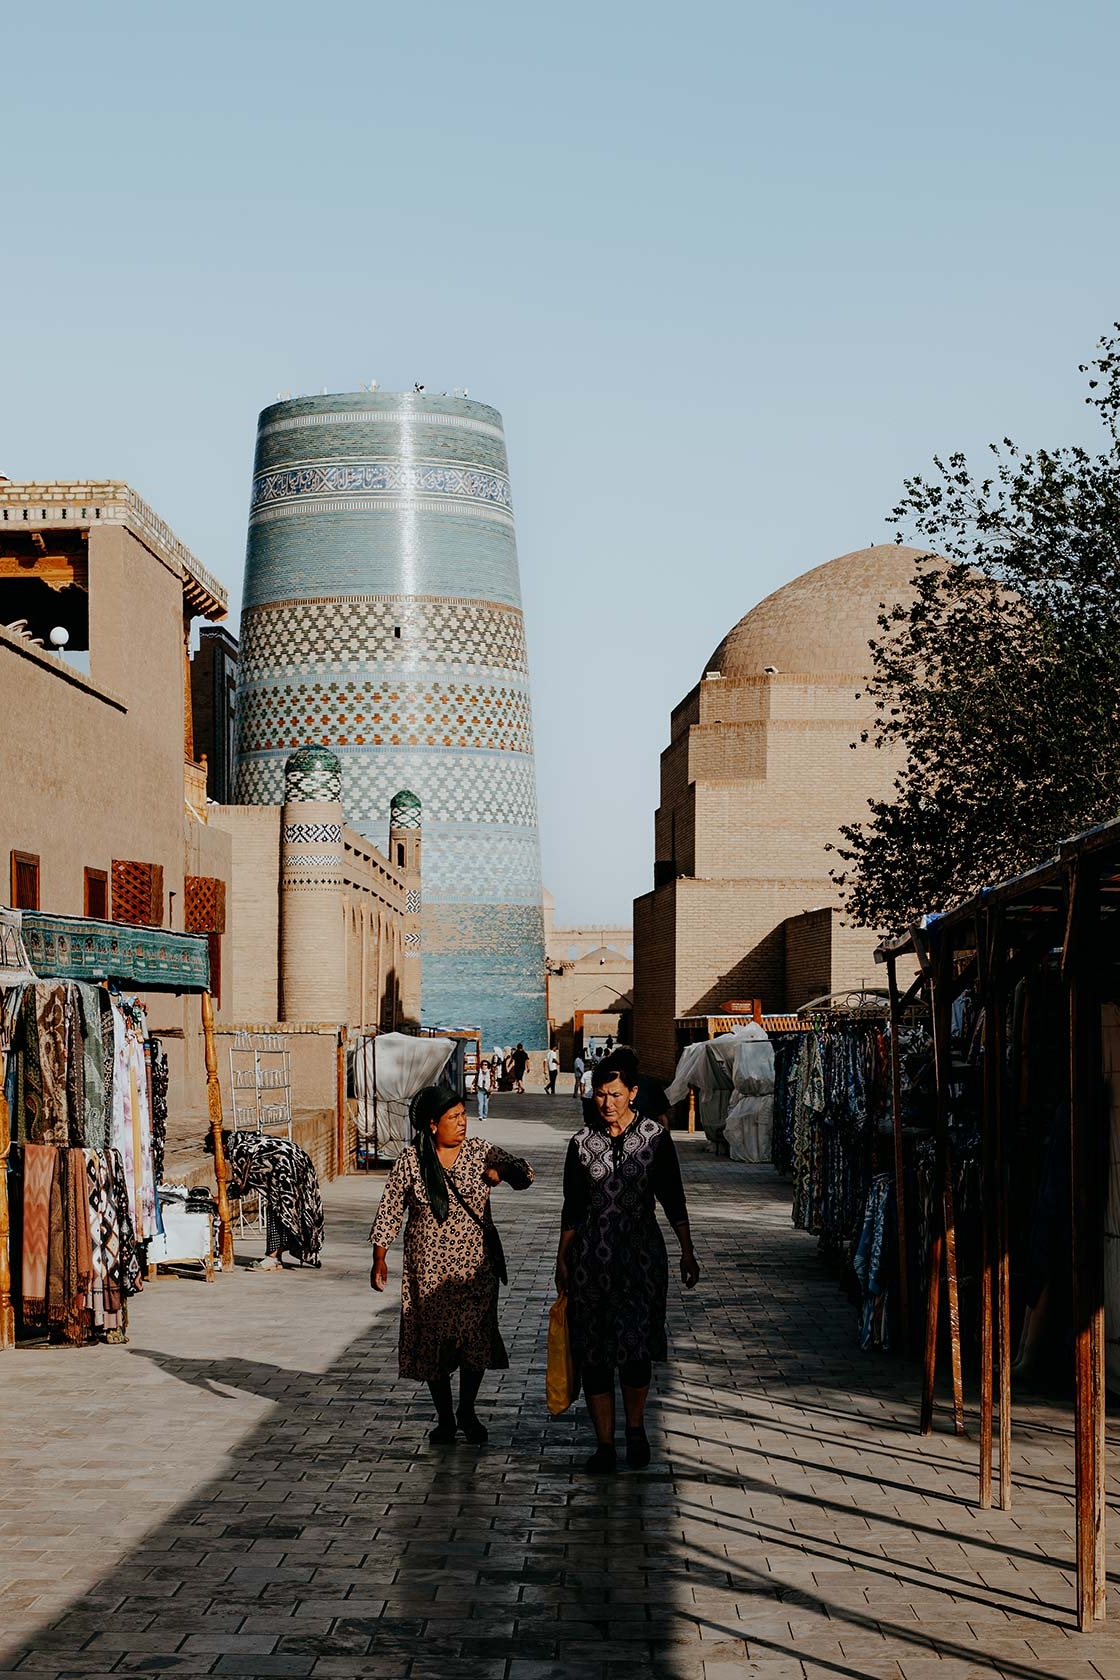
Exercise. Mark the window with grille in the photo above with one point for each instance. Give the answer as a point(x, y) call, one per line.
point(25, 881)
point(137, 893)
point(204, 904)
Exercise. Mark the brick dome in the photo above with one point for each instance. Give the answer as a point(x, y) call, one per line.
point(820, 623)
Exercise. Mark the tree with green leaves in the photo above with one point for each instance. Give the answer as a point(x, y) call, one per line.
point(999, 680)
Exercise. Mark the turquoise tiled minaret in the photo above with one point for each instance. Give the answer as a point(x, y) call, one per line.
point(382, 617)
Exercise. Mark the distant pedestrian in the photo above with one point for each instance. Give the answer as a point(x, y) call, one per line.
point(452, 1258)
point(611, 1262)
point(520, 1063)
point(552, 1070)
point(483, 1085)
point(577, 1070)
point(586, 1078)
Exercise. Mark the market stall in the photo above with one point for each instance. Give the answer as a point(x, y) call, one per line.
point(84, 1116)
point(1034, 962)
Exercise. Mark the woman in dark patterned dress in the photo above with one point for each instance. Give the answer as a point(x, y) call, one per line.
point(449, 1280)
point(612, 1262)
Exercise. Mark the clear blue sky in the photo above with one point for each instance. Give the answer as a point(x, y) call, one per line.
point(730, 271)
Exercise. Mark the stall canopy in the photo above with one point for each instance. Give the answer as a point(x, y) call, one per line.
point(151, 959)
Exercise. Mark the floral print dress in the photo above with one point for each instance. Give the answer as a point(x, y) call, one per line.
point(449, 1289)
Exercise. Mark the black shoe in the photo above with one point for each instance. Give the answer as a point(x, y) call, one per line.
point(603, 1461)
point(474, 1430)
point(443, 1435)
point(637, 1449)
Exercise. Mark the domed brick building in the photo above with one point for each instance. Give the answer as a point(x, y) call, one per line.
point(756, 781)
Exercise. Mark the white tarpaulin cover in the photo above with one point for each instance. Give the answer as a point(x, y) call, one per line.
point(749, 1132)
point(733, 1075)
point(388, 1072)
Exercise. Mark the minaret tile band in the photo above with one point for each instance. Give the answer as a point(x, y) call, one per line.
point(382, 617)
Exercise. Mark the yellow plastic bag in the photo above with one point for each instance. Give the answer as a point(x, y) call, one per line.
point(561, 1382)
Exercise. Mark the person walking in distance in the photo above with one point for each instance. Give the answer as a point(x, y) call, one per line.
point(483, 1084)
point(520, 1063)
point(577, 1070)
point(552, 1069)
point(453, 1261)
point(611, 1261)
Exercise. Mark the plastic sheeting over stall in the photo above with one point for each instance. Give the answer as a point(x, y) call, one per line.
point(733, 1077)
point(388, 1072)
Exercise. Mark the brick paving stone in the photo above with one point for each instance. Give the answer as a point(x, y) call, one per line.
point(247, 1488)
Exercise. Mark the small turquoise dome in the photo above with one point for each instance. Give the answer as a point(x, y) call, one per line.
point(312, 775)
point(404, 810)
point(314, 757)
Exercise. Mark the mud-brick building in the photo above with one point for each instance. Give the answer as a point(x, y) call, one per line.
point(102, 800)
point(757, 779)
point(313, 931)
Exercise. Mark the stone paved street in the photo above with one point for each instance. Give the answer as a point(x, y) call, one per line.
point(246, 1489)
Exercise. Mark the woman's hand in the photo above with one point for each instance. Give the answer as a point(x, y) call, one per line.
point(379, 1272)
point(561, 1274)
point(491, 1175)
point(690, 1269)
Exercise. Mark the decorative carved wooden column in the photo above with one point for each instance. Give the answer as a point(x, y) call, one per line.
point(214, 1103)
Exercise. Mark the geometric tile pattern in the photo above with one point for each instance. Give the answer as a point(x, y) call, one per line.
point(464, 864)
point(484, 788)
point(359, 634)
point(412, 902)
point(310, 834)
point(365, 710)
point(366, 478)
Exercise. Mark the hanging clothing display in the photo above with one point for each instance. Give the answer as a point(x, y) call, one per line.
point(81, 1082)
point(834, 1092)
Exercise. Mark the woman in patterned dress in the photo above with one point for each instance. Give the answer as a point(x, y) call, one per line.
point(449, 1280)
point(612, 1262)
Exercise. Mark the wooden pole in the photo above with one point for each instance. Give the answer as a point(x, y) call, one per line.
point(944, 1246)
point(7, 1313)
point(214, 1103)
point(1088, 1162)
point(899, 1168)
point(988, 1227)
point(998, 963)
point(692, 1108)
point(342, 1155)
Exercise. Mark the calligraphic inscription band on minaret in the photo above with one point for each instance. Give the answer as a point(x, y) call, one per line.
point(382, 617)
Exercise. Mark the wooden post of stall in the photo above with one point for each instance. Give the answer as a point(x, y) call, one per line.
point(7, 1314)
point(342, 1153)
point(899, 1168)
point(1089, 1177)
point(988, 1226)
point(692, 1108)
point(944, 1246)
point(997, 959)
point(214, 1103)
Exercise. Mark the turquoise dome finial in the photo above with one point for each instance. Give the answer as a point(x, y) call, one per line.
point(405, 810)
point(312, 775)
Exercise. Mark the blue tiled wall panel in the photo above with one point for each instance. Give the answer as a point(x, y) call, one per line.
point(372, 551)
point(497, 985)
